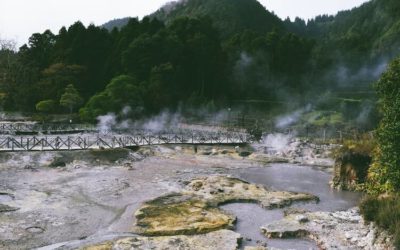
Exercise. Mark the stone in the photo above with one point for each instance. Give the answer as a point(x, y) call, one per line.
point(57, 162)
point(35, 230)
point(195, 209)
point(302, 218)
point(176, 214)
point(337, 230)
point(236, 190)
point(218, 240)
point(6, 208)
point(245, 154)
point(255, 248)
point(29, 167)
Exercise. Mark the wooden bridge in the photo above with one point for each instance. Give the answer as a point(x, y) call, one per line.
point(112, 141)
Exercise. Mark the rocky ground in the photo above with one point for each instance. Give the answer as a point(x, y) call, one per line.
point(287, 148)
point(337, 230)
point(118, 199)
point(195, 209)
point(221, 239)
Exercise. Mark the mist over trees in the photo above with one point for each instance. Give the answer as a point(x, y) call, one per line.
point(201, 53)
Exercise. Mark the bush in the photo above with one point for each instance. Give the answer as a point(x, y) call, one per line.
point(385, 212)
point(384, 174)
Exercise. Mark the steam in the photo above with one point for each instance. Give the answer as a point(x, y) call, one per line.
point(277, 142)
point(106, 122)
point(245, 60)
point(347, 77)
point(292, 118)
point(366, 115)
point(164, 121)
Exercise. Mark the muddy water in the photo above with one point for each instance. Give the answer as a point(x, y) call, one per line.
point(287, 177)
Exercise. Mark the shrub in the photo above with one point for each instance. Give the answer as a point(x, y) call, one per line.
point(384, 174)
point(385, 212)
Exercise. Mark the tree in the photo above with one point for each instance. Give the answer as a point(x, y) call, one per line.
point(384, 175)
point(46, 106)
point(71, 98)
point(121, 92)
point(57, 77)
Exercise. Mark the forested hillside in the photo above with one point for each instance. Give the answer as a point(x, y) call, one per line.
point(216, 53)
point(229, 16)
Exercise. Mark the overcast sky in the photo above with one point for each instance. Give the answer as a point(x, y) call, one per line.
point(20, 18)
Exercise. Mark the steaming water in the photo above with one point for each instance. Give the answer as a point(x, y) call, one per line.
point(290, 178)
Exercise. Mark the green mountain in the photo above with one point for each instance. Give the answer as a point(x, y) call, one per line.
point(373, 29)
point(229, 16)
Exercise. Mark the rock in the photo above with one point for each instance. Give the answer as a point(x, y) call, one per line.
point(197, 185)
point(337, 230)
point(218, 240)
point(6, 208)
point(57, 162)
point(290, 228)
point(301, 218)
point(195, 210)
point(129, 166)
point(176, 214)
point(245, 154)
point(294, 211)
point(35, 230)
point(219, 190)
point(255, 248)
point(29, 167)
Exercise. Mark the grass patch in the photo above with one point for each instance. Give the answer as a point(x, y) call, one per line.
point(323, 118)
point(385, 212)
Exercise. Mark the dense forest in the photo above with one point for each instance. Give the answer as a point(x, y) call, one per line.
point(213, 53)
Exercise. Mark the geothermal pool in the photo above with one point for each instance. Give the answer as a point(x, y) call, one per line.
point(287, 177)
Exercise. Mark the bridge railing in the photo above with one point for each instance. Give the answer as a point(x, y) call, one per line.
point(11, 128)
point(98, 141)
